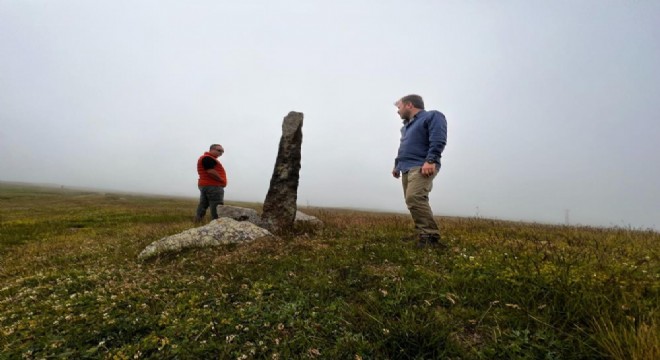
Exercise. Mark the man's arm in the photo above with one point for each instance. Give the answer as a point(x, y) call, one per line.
point(437, 136)
point(209, 166)
point(395, 172)
point(214, 174)
point(437, 126)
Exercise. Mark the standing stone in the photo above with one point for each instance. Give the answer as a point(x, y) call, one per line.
point(280, 204)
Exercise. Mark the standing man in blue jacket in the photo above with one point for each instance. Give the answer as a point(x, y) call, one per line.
point(423, 138)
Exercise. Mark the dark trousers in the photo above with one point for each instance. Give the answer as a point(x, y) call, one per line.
point(210, 196)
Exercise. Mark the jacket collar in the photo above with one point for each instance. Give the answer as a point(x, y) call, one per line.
point(211, 155)
point(420, 112)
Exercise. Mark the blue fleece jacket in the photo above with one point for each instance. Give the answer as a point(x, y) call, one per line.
point(422, 138)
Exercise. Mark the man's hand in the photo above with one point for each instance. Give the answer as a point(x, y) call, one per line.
point(214, 174)
point(396, 173)
point(428, 169)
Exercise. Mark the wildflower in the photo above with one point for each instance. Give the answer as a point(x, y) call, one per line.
point(230, 338)
point(313, 353)
point(280, 326)
point(451, 297)
point(386, 331)
point(163, 342)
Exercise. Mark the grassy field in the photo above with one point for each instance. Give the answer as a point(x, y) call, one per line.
point(71, 287)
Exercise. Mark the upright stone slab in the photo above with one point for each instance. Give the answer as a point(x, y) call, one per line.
point(280, 204)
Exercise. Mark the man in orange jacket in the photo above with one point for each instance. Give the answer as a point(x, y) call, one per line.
point(211, 183)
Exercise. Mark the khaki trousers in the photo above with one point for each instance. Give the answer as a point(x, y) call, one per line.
point(416, 189)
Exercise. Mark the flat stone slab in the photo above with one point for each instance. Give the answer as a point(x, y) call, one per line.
point(239, 214)
point(309, 219)
point(218, 232)
point(246, 214)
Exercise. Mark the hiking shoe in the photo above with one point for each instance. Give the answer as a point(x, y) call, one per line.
point(430, 240)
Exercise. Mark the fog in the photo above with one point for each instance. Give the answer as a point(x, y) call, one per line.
point(552, 107)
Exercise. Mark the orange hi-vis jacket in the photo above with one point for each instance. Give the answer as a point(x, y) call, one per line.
point(204, 178)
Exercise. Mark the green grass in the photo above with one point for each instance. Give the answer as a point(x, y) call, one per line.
point(71, 287)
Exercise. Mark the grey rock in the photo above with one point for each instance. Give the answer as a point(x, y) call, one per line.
point(218, 232)
point(304, 218)
point(280, 204)
point(239, 213)
point(246, 214)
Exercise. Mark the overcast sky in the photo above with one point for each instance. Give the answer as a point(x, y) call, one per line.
point(552, 106)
